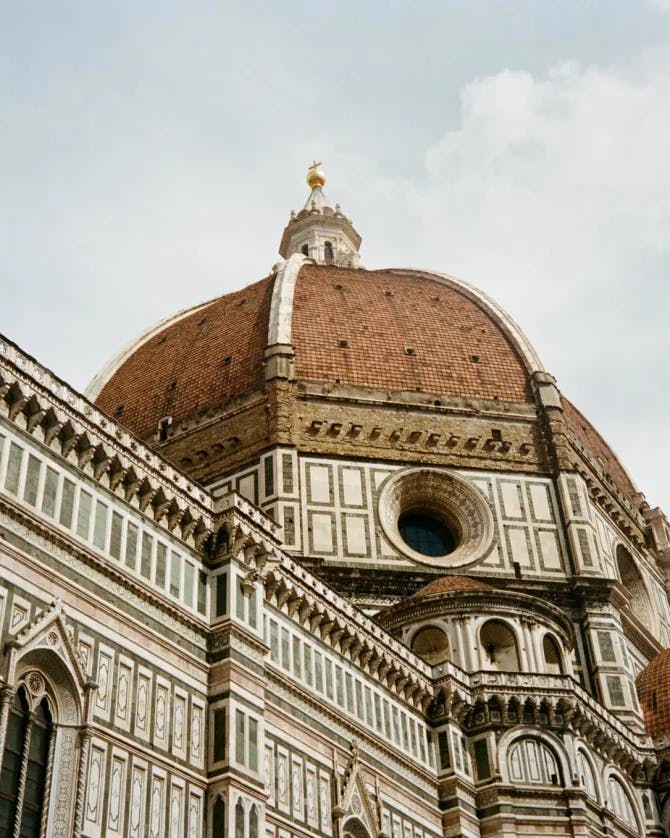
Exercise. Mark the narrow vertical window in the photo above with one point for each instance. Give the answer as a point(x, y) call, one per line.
point(239, 820)
point(115, 536)
point(145, 562)
point(239, 737)
point(220, 826)
point(219, 734)
point(49, 494)
point(131, 546)
point(221, 595)
point(253, 822)
point(13, 468)
point(161, 564)
point(253, 744)
point(67, 503)
point(100, 527)
point(84, 514)
point(32, 480)
point(175, 574)
point(253, 611)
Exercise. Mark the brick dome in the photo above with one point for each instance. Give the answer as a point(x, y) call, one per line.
point(653, 689)
point(450, 584)
point(382, 329)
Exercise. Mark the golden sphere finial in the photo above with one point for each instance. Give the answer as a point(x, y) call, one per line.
point(315, 176)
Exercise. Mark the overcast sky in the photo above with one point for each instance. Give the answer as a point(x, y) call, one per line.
point(150, 153)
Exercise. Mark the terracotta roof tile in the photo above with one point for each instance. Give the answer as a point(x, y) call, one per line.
point(653, 689)
point(591, 439)
point(363, 328)
point(194, 364)
point(380, 329)
point(446, 584)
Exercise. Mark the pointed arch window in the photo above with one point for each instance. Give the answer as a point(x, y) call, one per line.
point(219, 819)
point(23, 775)
point(239, 819)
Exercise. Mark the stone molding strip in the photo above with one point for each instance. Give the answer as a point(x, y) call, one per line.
point(97, 383)
point(497, 313)
point(281, 307)
point(32, 397)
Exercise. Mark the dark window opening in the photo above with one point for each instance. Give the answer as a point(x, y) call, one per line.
point(427, 534)
point(163, 428)
point(24, 765)
point(305, 250)
point(328, 255)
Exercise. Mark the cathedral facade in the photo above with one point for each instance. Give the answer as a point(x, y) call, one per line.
point(328, 557)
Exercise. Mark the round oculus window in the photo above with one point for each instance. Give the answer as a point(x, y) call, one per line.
point(435, 518)
point(427, 534)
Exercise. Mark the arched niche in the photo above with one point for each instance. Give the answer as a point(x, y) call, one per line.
point(431, 643)
point(620, 803)
point(46, 680)
point(633, 581)
point(587, 774)
point(354, 828)
point(553, 657)
point(498, 641)
point(531, 761)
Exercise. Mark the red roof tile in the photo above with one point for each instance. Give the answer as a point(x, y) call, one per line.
point(653, 689)
point(447, 584)
point(591, 439)
point(193, 364)
point(363, 328)
point(380, 329)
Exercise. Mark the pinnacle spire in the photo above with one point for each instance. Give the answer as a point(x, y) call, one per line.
point(320, 231)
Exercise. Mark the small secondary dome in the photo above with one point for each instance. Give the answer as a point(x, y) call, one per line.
point(451, 584)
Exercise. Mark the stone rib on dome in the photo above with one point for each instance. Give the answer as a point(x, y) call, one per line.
point(653, 689)
point(591, 439)
point(449, 584)
point(379, 329)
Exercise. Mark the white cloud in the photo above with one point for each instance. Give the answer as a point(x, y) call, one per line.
point(553, 194)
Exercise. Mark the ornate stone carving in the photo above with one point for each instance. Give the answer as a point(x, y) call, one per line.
point(447, 496)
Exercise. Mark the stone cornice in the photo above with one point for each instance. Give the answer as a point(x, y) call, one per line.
point(469, 699)
point(303, 597)
point(36, 400)
point(127, 586)
point(503, 601)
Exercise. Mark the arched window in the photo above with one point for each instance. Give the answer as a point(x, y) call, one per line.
point(632, 580)
point(305, 250)
point(620, 804)
point(553, 662)
point(499, 644)
point(354, 828)
point(239, 819)
point(24, 768)
point(531, 761)
point(328, 256)
point(219, 817)
point(586, 775)
point(253, 822)
point(431, 643)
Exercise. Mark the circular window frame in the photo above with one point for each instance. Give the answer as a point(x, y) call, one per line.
point(458, 503)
